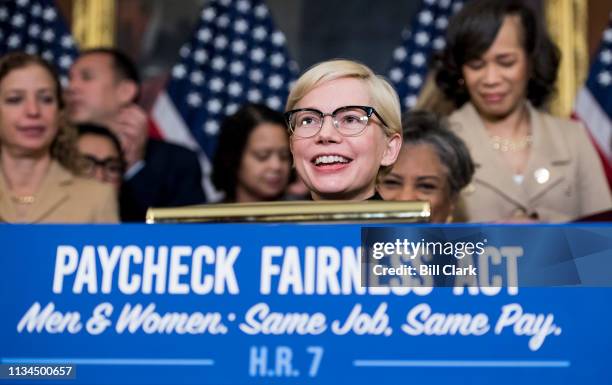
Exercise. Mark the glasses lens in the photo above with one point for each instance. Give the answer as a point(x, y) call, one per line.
point(89, 165)
point(113, 169)
point(351, 121)
point(305, 123)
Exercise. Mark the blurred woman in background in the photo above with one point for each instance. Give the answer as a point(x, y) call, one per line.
point(102, 155)
point(252, 160)
point(341, 158)
point(499, 66)
point(39, 162)
point(434, 165)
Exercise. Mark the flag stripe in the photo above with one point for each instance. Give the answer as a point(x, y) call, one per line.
point(591, 113)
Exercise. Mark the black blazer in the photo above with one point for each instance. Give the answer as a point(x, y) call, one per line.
point(170, 177)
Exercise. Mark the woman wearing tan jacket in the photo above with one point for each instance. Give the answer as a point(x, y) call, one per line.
point(499, 66)
point(39, 165)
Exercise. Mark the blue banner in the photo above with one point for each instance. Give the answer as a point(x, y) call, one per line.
point(261, 304)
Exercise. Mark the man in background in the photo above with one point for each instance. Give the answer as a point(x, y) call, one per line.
point(104, 88)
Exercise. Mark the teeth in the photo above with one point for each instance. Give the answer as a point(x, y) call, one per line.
point(327, 159)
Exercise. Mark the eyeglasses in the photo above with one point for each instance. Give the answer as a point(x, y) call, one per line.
point(112, 168)
point(349, 120)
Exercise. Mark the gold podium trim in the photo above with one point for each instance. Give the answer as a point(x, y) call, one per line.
point(295, 211)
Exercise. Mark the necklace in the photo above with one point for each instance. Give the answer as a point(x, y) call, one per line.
point(24, 199)
point(510, 145)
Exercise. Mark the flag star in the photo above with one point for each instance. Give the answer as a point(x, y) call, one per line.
point(418, 59)
point(425, 18)
point(185, 51)
point(223, 21)
point(3, 14)
point(204, 35)
point(194, 99)
point(14, 41)
point(236, 68)
point(179, 71)
point(22, 3)
point(241, 26)
point(64, 81)
point(34, 30)
point(254, 95)
point(234, 89)
point(260, 33)
point(258, 54)
point(197, 78)
point(414, 80)
point(430, 2)
point(67, 41)
point(231, 108)
point(243, 6)
point(36, 10)
point(275, 81)
point(606, 56)
point(277, 59)
point(208, 14)
point(211, 127)
point(457, 7)
point(410, 101)
point(396, 74)
point(441, 22)
point(218, 63)
point(604, 78)
point(421, 38)
point(608, 35)
point(48, 35)
point(445, 3)
point(18, 20)
point(221, 42)
point(278, 38)
point(274, 102)
point(225, 3)
point(256, 75)
point(216, 84)
point(238, 47)
point(439, 43)
point(31, 49)
point(65, 61)
point(49, 14)
point(293, 66)
point(261, 11)
point(47, 55)
point(200, 56)
point(400, 53)
point(214, 106)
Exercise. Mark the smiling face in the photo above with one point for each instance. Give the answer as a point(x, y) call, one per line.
point(497, 81)
point(334, 166)
point(29, 110)
point(418, 174)
point(264, 169)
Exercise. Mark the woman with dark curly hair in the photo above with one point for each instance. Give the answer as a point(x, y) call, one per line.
point(499, 66)
point(39, 162)
point(434, 165)
point(252, 160)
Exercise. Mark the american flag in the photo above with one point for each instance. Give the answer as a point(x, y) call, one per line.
point(235, 55)
point(594, 101)
point(36, 27)
point(425, 35)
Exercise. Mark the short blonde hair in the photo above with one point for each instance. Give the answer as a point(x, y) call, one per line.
point(383, 97)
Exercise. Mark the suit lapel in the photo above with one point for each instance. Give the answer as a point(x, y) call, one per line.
point(52, 192)
point(490, 168)
point(548, 159)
